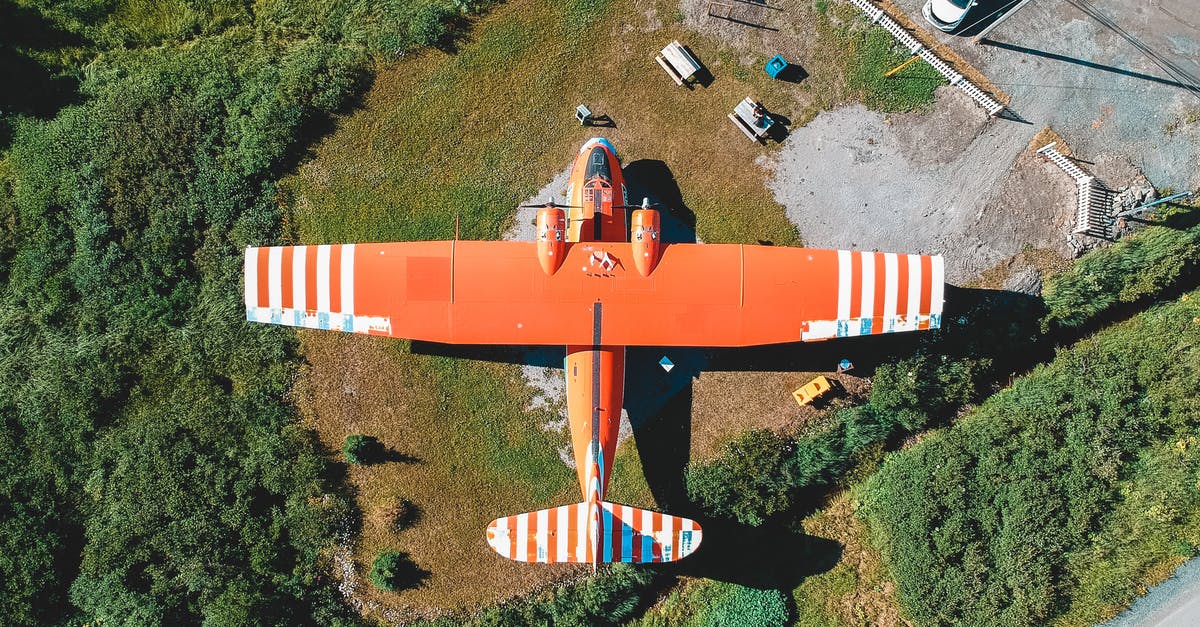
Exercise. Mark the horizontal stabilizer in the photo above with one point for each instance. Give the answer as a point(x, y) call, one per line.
point(622, 534)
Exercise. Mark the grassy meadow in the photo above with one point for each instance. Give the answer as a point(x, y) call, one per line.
point(469, 134)
point(156, 470)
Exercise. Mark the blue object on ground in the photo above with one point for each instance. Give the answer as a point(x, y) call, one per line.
point(775, 66)
point(666, 363)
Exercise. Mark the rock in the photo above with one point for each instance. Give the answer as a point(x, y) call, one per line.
point(1026, 281)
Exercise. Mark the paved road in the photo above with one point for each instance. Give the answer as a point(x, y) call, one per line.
point(1173, 603)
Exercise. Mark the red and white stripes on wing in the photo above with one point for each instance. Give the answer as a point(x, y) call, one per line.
point(884, 293)
point(304, 286)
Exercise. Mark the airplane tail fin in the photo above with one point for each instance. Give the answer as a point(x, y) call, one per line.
point(616, 533)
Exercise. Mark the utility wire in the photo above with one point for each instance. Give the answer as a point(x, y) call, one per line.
point(1187, 80)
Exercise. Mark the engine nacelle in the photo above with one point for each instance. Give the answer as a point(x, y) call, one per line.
point(646, 237)
point(551, 238)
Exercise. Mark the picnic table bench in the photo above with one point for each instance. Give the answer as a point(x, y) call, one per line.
point(680, 65)
point(751, 118)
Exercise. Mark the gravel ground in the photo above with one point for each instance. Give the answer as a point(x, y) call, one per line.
point(954, 181)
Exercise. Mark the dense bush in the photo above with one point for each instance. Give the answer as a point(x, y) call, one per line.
point(151, 465)
point(759, 474)
point(991, 521)
point(385, 27)
point(739, 606)
point(748, 481)
point(360, 449)
point(429, 25)
point(1130, 270)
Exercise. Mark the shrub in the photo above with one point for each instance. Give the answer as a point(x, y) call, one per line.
point(749, 481)
point(1008, 516)
point(360, 449)
point(605, 599)
point(393, 570)
point(1139, 266)
point(428, 26)
point(739, 606)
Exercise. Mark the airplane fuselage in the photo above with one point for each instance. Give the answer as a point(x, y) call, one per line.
point(595, 373)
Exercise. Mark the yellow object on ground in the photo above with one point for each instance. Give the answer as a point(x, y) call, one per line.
point(811, 390)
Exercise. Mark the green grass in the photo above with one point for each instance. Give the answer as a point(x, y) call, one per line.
point(876, 53)
point(487, 425)
point(469, 135)
point(466, 135)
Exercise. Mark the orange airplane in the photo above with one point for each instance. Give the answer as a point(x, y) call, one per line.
point(597, 279)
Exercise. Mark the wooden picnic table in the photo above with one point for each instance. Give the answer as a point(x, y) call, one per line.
point(754, 126)
point(678, 62)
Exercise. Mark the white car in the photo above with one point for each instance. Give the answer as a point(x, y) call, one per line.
point(947, 14)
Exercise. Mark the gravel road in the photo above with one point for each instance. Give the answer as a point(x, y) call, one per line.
point(950, 181)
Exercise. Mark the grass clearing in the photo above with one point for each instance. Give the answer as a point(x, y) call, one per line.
point(856, 591)
point(476, 454)
point(470, 135)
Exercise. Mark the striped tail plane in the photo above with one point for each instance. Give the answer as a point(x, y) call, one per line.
point(594, 533)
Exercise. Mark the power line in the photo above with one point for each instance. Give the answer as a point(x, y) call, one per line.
point(1182, 76)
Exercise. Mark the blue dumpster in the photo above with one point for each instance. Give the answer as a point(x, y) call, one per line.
point(775, 66)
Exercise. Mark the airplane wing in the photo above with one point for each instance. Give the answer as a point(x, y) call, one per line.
point(470, 292)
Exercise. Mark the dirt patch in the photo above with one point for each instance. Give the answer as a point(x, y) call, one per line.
point(727, 404)
point(938, 139)
point(933, 183)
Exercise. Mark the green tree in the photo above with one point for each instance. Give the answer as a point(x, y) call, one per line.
point(360, 449)
point(393, 570)
point(749, 481)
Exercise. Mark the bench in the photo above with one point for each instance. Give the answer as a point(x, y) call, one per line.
point(679, 64)
point(812, 390)
point(743, 117)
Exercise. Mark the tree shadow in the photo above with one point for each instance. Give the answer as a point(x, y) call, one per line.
point(404, 514)
point(31, 88)
point(388, 455)
point(402, 573)
point(770, 556)
point(315, 127)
